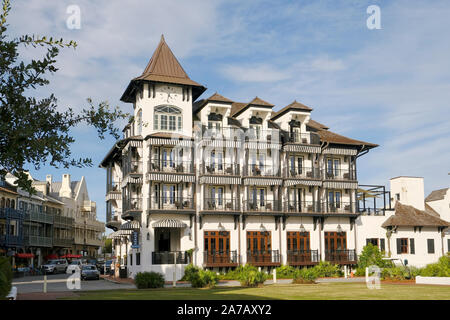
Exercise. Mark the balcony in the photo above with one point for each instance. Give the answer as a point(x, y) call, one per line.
point(304, 173)
point(37, 241)
point(171, 203)
point(171, 166)
point(259, 170)
point(341, 257)
point(10, 213)
point(225, 133)
point(220, 259)
point(302, 207)
point(11, 241)
point(63, 242)
point(132, 204)
point(94, 242)
point(114, 187)
point(263, 206)
point(268, 136)
point(113, 222)
point(63, 222)
point(339, 174)
point(217, 204)
point(132, 167)
point(264, 258)
point(302, 257)
point(304, 138)
point(169, 257)
point(40, 217)
point(221, 169)
point(339, 207)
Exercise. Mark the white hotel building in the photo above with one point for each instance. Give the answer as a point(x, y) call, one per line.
point(220, 183)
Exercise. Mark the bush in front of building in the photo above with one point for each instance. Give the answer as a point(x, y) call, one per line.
point(370, 256)
point(305, 276)
point(249, 276)
point(146, 280)
point(200, 278)
point(5, 277)
point(395, 273)
point(326, 270)
point(439, 269)
point(286, 272)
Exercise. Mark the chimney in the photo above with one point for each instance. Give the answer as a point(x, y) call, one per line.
point(66, 190)
point(49, 179)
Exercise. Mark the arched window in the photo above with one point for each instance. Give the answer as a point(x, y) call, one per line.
point(168, 118)
point(139, 123)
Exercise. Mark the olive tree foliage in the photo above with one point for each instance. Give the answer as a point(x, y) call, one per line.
point(33, 131)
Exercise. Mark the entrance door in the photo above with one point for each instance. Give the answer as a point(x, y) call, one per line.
point(163, 241)
point(217, 246)
point(335, 246)
point(259, 246)
point(298, 246)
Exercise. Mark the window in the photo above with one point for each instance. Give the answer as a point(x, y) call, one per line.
point(139, 123)
point(402, 246)
point(170, 118)
point(373, 241)
point(412, 249)
point(138, 259)
point(430, 244)
point(397, 196)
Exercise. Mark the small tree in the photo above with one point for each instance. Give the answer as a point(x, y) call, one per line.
point(370, 256)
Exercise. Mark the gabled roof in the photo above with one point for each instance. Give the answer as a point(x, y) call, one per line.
point(436, 195)
point(294, 106)
point(163, 67)
point(331, 137)
point(238, 107)
point(198, 105)
point(431, 211)
point(408, 216)
point(317, 125)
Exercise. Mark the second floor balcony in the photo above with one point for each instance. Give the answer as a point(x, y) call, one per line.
point(41, 217)
point(8, 240)
point(304, 138)
point(262, 170)
point(171, 166)
point(221, 168)
point(37, 241)
point(221, 204)
point(132, 167)
point(304, 173)
point(263, 205)
point(170, 257)
point(338, 207)
point(171, 203)
point(302, 207)
point(338, 174)
point(132, 204)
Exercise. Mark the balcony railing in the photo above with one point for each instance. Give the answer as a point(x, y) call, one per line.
point(258, 170)
point(345, 256)
point(304, 173)
point(217, 204)
point(171, 203)
point(263, 205)
point(39, 217)
point(302, 257)
point(169, 257)
point(304, 138)
point(221, 168)
point(113, 187)
point(132, 167)
point(63, 242)
point(171, 166)
point(10, 213)
point(11, 241)
point(339, 174)
point(220, 258)
point(37, 241)
point(226, 133)
point(269, 135)
point(302, 207)
point(339, 207)
point(264, 258)
point(132, 204)
point(60, 221)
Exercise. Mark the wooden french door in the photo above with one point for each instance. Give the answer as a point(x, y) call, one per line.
point(298, 241)
point(259, 246)
point(335, 241)
point(217, 246)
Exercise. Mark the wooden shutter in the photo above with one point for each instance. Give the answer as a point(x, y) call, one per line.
point(412, 249)
point(399, 246)
point(430, 243)
point(382, 245)
point(367, 241)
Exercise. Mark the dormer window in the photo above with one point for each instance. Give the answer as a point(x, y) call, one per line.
point(168, 118)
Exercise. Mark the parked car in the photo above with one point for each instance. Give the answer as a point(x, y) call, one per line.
point(89, 271)
point(55, 266)
point(74, 265)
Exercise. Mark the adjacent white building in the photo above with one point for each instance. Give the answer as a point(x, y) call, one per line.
point(220, 183)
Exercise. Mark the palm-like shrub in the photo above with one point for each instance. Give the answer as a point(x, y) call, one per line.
point(249, 276)
point(305, 275)
point(5, 277)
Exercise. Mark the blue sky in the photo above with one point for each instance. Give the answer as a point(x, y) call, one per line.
point(388, 86)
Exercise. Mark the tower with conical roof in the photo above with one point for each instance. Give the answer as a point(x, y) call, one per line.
point(162, 96)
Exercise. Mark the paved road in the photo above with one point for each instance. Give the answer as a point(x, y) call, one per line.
point(58, 283)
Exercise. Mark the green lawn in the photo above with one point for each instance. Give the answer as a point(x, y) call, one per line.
point(322, 291)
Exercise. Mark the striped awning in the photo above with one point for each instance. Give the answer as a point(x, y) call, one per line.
point(170, 142)
point(130, 225)
point(129, 179)
point(340, 151)
point(120, 234)
point(220, 180)
point(262, 145)
point(303, 182)
point(171, 177)
point(302, 148)
point(220, 144)
point(340, 185)
point(262, 182)
point(113, 196)
point(169, 223)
